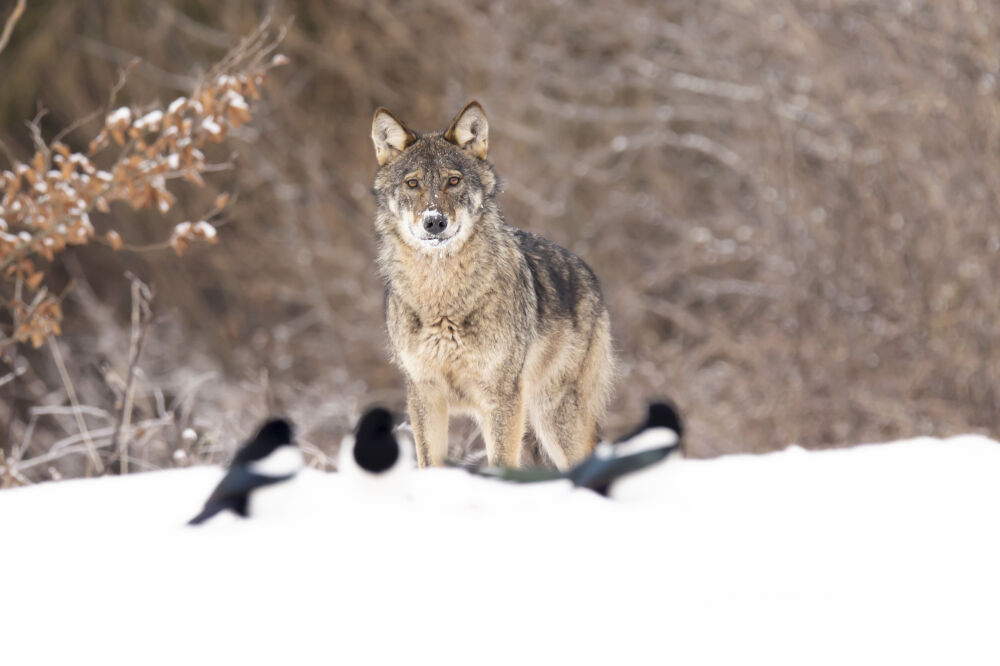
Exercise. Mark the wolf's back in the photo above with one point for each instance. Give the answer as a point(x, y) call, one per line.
point(565, 286)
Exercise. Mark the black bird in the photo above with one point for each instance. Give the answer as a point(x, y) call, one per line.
point(269, 458)
point(654, 440)
point(374, 450)
point(661, 414)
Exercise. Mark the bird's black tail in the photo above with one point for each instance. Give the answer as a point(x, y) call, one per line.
point(236, 504)
point(599, 473)
point(205, 514)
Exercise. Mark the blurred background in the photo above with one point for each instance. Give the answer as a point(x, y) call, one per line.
point(792, 205)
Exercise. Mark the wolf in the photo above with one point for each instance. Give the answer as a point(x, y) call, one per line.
point(483, 318)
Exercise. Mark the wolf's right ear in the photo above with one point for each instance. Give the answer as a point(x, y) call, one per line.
point(390, 136)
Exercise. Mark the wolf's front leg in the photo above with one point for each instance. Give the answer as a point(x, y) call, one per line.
point(428, 406)
point(503, 428)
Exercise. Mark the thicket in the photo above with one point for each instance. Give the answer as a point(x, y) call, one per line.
point(792, 206)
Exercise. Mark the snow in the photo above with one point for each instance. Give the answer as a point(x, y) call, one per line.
point(878, 554)
point(176, 105)
point(150, 121)
point(205, 229)
point(122, 115)
point(210, 126)
point(236, 100)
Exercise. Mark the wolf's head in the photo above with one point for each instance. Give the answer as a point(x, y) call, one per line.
point(433, 189)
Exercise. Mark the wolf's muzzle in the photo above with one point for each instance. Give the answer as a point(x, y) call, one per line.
point(435, 224)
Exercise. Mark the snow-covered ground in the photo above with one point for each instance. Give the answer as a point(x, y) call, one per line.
point(883, 554)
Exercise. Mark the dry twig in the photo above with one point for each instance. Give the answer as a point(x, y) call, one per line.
point(12, 20)
point(141, 320)
point(57, 356)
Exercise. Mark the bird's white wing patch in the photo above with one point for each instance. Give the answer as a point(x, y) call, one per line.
point(651, 438)
point(283, 461)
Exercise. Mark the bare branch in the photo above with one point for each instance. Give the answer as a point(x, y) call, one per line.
point(71, 391)
point(12, 20)
point(101, 438)
point(141, 319)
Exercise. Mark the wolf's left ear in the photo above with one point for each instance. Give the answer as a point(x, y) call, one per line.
point(470, 130)
point(390, 136)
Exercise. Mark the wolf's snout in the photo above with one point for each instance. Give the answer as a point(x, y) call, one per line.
point(435, 224)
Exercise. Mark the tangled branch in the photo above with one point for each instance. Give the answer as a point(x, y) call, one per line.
point(46, 202)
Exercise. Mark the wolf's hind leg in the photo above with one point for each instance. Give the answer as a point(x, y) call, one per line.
point(565, 414)
point(428, 407)
point(566, 432)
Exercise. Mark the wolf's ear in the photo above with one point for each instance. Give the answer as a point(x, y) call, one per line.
point(470, 131)
point(390, 136)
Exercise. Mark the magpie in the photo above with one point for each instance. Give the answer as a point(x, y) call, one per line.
point(375, 451)
point(657, 437)
point(271, 457)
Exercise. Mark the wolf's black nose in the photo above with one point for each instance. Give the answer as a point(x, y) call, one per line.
point(435, 224)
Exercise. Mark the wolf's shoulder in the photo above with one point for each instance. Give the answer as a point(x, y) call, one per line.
point(540, 251)
point(565, 286)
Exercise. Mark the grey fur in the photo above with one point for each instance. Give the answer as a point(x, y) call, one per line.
point(483, 318)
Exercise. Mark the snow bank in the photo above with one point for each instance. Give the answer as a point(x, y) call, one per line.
point(886, 554)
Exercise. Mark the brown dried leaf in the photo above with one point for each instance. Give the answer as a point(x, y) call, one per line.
point(179, 244)
point(114, 239)
point(100, 141)
point(194, 177)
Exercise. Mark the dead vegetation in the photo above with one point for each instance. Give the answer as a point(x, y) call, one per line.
point(792, 206)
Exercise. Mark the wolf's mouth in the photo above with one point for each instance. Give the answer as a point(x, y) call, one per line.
point(437, 241)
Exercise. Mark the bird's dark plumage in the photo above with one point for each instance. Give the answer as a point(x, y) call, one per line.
point(599, 473)
point(661, 414)
point(375, 446)
point(272, 434)
point(600, 470)
point(233, 490)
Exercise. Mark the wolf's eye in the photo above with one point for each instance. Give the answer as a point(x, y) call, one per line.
point(454, 180)
point(412, 183)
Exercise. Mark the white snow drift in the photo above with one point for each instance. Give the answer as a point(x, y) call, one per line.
point(886, 554)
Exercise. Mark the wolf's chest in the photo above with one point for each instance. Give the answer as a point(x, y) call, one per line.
point(441, 339)
point(440, 347)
